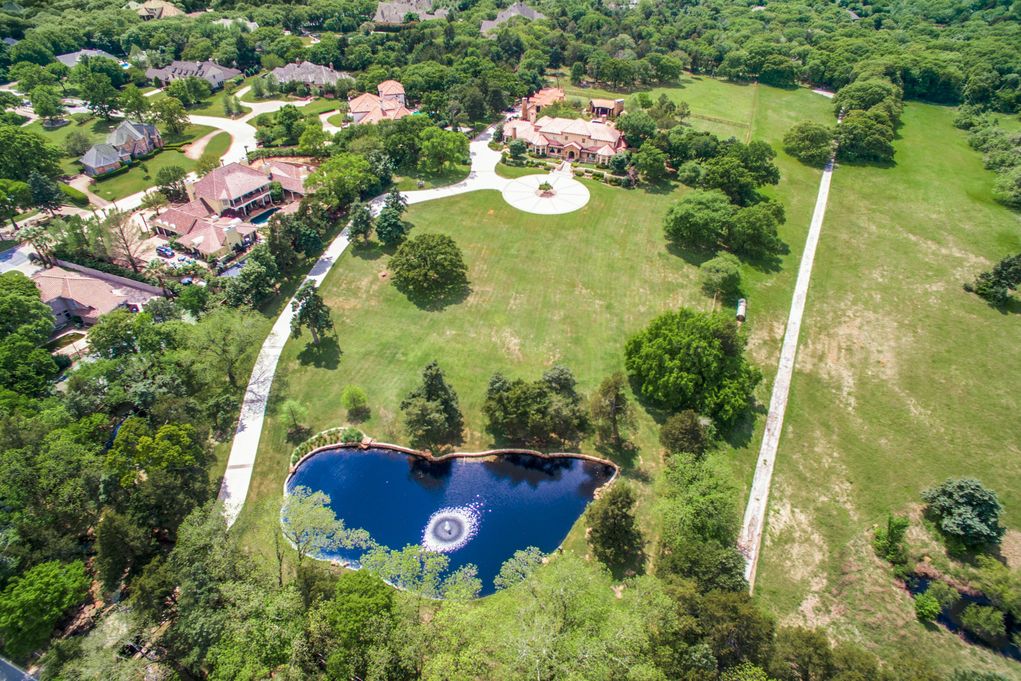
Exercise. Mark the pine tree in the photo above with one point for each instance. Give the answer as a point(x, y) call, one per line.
point(46, 193)
point(613, 532)
point(310, 311)
point(432, 411)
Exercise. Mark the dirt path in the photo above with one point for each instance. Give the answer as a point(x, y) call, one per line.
point(196, 148)
point(83, 183)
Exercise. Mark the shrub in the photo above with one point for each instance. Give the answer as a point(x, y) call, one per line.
point(946, 595)
point(356, 402)
point(966, 511)
point(685, 432)
point(985, 622)
point(351, 435)
point(927, 608)
point(888, 541)
point(74, 196)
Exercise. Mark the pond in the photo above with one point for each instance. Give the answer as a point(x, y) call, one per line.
point(263, 217)
point(477, 511)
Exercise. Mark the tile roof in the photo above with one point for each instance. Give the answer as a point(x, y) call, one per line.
point(547, 96)
point(290, 176)
point(72, 58)
point(390, 87)
point(93, 295)
point(307, 72)
point(229, 182)
point(603, 103)
point(181, 219)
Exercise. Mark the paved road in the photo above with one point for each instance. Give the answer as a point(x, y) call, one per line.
point(238, 476)
point(750, 540)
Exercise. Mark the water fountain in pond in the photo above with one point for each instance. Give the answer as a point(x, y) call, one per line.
point(450, 528)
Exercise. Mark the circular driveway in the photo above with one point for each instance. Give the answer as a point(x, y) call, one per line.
point(569, 194)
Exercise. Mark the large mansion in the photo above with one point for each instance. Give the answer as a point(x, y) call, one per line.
point(388, 105)
point(213, 222)
point(571, 139)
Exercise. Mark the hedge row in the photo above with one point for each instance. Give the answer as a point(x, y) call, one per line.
point(102, 266)
point(74, 196)
point(331, 436)
point(272, 152)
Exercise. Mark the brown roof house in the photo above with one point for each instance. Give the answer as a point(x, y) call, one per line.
point(396, 13)
point(389, 104)
point(518, 9)
point(531, 106)
point(155, 9)
point(74, 291)
point(314, 76)
point(209, 71)
point(571, 139)
point(606, 108)
point(212, 223)
point(128, 141)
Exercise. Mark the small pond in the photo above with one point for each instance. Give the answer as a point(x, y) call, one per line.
point(263, 217)
point(951, 619)
point(477, 511)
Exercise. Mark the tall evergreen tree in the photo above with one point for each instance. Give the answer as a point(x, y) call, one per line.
point(432, 412)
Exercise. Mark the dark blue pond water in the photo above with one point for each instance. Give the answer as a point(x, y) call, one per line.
point(517, 500)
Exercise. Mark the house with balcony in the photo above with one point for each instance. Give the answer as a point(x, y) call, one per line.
point(196, 227)
point(234, 188)
point(606, 108)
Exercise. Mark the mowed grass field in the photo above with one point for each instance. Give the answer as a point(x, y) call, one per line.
point(567, 289)
point(902, 380)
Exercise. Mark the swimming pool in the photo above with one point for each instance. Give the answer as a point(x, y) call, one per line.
point(262, 218)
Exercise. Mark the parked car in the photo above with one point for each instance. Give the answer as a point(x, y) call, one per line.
point(187, 280)
point(165, 251)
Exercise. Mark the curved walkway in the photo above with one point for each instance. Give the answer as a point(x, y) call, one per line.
point(238, 476)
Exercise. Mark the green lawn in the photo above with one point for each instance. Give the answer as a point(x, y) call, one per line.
point(140, 177)
point(902, 380)
point(218, 145)
point(410, 181)
point(339, 119)
point(96, 128)
point(544, 289)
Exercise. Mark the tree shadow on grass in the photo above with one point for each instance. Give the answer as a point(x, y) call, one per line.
point(440, 301)
point(1013, 306)
point(770, 262)
point(626, 456)
point(326, 355)
point(367, 250)
point(741, 433)
point(692, 256)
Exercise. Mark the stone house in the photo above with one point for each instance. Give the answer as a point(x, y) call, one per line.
point(128, 141)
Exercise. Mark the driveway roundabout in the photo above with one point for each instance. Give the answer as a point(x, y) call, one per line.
point(566, 196)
